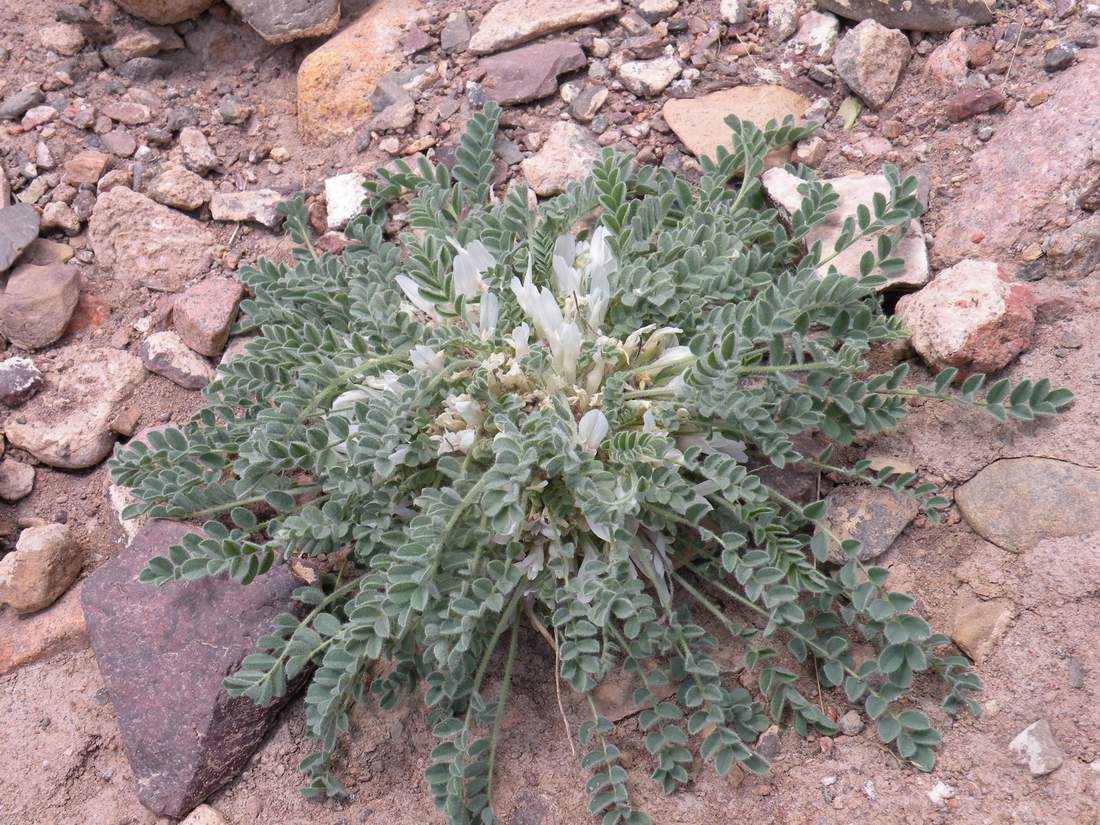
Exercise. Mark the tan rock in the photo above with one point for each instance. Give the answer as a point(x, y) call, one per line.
point(873, 516)
point(32, 638)
point(37, 303)
point(336, 81)
point(16, 479)
point(86, 168)
point(568, 154)
point(512, 22)
point(45, 562)
point(163, 12)
point(204, 815)
point(204, 313)
point(700, 122)
point(978, 625)
point(165, 354)
point(180, 188)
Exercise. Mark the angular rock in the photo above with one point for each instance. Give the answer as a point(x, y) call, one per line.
point(165, 354)
point(870, 59)
point(567, 154)
point(852, 191)
point(198, 156)
point(1060, 57)
point(1036, 749)
point(948, 63)
point(18, 228)
point(63, 38)
point(281, 21)
point(16, 479)
point(19, 103)
point(588, 102)
point(58, 215)
point(128, 112)
point(512, 22)
point(45, 562)
point(530, 72)
point(972, 317)
point(1023, 173)
point(873, 516)
point(204, 313)
point(970, 101)
point(344, 196)
point(393, 101)
point(19, 381)
point(43, 252)
point(735, 11)
point(455, 36)
point(817, 34)
point(86, 168)
point(142, 43)
point(148, 641)
point(119, 142)
point(36, 637)
point(336, 81)
point(165, 12)
point(70, 427)
point(646, 78)
point(37, 303)
point(204, 815)
point(140, 241)
point(978, 625)
point(180, 188)
point(1016, 503)
point(782, 18)
point(234, 111)
point(700, 124)
point(259, 206)
point(914, 15)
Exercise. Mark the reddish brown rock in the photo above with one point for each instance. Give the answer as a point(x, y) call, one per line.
point(972, 317)
point(37, 303)
point(531, 72)
point(58, 629)
point(164, 652)
point(87, 167)
point(970, 101)
point(203, 314)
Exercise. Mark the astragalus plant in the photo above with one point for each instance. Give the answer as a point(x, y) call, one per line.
point(507, 416)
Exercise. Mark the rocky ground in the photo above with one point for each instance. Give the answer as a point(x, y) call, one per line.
point(144, 146)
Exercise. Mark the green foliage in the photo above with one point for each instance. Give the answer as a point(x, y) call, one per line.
point(505, 413)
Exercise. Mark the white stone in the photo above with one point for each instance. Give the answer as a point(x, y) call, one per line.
point(344, 197)
point(817, 34)
point(941, 792)
point(1036, 749)
point(736, 11)
point(567, 154)
point(782, 17)
point(646, 78)
point(852, 190)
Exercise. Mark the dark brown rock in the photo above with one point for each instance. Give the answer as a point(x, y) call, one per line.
point(18, 228)
point(970, 101)
point(914, 15)
point(164, 653)
point(281, 21)
point(531, 72)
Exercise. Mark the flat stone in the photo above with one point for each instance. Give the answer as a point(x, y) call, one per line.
point(873, 516)
point(43, 252)
point(852, 191)
point(281, 21)
point(646, 78)
point(914, 15)
point(16, 479)
point(1036, 749)
point(86, 168)
point(35, 637)
point(37, 303)
point(141, 242)
point(1016, 503)
point(969, 102)
point(948, 62)
point(144, 69)
point(337, 80)
point(165, 12)
point(18, 229)
point(258, 206)
point(971, 317)
point(1023, 174)
point(870, 59)
point(455, 36)
point(70, 427)
point(165, 354)
point(45, 562)
point(128, 112)
point(700, 124)
point(567, 154)
point(180, 188)
point(198, 156)
point(817, 34)
point(62, 38)
point(979, 624)
point(182, 745)
point(614, 696)
point(735, 11)
point(782, 18)
point(204, 815)
point(344, 196)
point(234, 111)
point(19, 381)
point(38, 116)
point(141, 43)
point(203, 314)
point(58, 215)
point(513, 22)
point(530, 72)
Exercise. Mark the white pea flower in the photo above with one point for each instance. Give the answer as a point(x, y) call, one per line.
point(521, 336)
point(533, 563)
point(468, 265)
point(660, 339)
point(465, 408)
point(671, 358)
point(567, 279)
point(387, 381)
point(426, 359)
point(412, 292)
point(347, 400)
point(567, 351)
point(542, 308)
point(456, 442)
point(592, 430)
point(600, 258)
point(488, 313)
